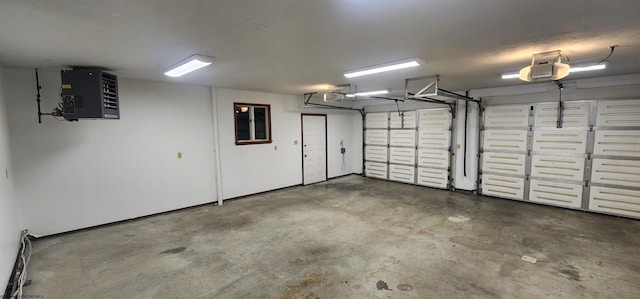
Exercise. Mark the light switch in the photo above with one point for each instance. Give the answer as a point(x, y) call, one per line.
point(458, 146)
point(179, 155)
point(275, 147)
point(295, 142)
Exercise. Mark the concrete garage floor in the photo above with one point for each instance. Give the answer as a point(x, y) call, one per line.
point(351, 237)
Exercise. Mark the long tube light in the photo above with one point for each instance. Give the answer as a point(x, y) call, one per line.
point(385, 68)
point(511, 76)
point(576, 69)
point(188, 65)
point(587, 68)
point(368, 93)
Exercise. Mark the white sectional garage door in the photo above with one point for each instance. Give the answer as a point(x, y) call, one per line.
point(504, 149)
point(558, 154)
point(591, 163)
point(376, 140)
point(410, 147)
point(615, 177)
point(434, 148)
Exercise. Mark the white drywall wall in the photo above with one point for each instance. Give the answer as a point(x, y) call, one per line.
point(72, 175)
point(343, 126)
point(358, 144)
point(249, 169)
point(461, 181)
point(9, 225)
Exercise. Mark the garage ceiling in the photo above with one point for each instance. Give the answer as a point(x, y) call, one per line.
point(294, 46)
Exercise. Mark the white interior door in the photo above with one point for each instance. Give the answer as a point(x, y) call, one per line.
point(314, 148)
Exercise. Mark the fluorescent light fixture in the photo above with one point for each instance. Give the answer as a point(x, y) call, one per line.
point(188, 65)
point(511, 76)
point(385, 68)
point(587, 68)
point(576, 69)
point(369, 93)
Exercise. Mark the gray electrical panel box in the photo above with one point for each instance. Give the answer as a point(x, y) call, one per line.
point(89, 94)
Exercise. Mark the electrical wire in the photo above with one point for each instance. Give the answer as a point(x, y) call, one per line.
point(24, 259)
point(611, 50)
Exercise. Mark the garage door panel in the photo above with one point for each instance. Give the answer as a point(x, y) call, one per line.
point(421, 136)
point(507, 116)
point(433, 158)
point(376, 120)
point(375, 153)
point(618, 113)
point(402, 138)
point(376, 170)
point(503, 186)
point(615, 200)
point(511, 164)
point(434, 139)
point(593, 160)
point(435, 119)
point(573, 114)
point(554, 167)
point(616, 172)
point(617, 143)
point(401, 173)
point(376, 137)
point(438, 178)
point(560, 141)
point(560, 194)
point(402, 155)
point(405, 120)
point(508, 140)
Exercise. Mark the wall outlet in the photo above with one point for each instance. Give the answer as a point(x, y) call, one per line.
point(275, 147)
point(295, 142)
point(179, 155)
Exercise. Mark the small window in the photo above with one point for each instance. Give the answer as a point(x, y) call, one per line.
point(253, 123)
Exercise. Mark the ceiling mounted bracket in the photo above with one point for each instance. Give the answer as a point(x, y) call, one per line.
point(337, 93)
point(307, 97)
point(429, 89)
point(307, 104)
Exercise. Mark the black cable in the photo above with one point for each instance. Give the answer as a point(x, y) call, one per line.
point(613, 48)
point(38, 87)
